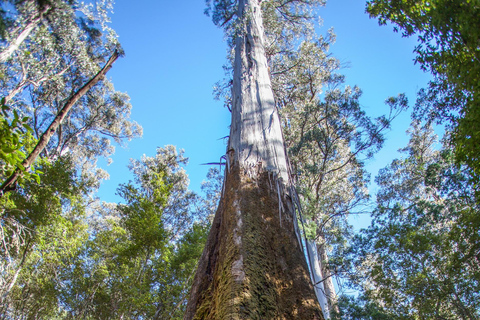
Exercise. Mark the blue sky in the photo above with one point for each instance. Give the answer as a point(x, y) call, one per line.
point(174, 56)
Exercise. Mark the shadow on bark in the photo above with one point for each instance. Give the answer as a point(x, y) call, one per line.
point(253, 266)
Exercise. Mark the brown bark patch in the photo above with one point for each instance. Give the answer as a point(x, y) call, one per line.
point(252, 266)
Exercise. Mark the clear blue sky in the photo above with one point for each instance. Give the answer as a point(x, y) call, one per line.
point(174, 56)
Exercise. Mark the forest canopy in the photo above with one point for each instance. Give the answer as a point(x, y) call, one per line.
point(66, 252)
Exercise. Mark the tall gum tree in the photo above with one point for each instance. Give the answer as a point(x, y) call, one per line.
point(253, 265)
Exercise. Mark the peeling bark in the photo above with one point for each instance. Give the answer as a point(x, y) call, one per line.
point(255, 133)
point(253, 266)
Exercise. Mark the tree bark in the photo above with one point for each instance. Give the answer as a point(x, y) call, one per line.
point(7, 53)
point(253, 266)
point(47, 135)
point(327, 278)
point(317, 277)
point(255, 134)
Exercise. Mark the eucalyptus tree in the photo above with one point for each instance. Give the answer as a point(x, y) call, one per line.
point(44, 139)
point(14, 39)
point(329, 137)
point(329, 141)
point(141, 255)
point(327, 134)
point(253, 265)
point(44, 228)
point(64, 50)
point(419, 258)
point(130, 260)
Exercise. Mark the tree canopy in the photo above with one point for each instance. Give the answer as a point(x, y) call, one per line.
point(418, 259)
point(66, 254)
point(448, 47)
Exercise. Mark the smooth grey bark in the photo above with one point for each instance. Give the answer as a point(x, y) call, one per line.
point(317, 277)
point(330, 292)
point(255, 133)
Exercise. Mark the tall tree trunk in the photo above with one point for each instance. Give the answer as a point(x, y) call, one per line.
point(253, 265)
point(317, 277)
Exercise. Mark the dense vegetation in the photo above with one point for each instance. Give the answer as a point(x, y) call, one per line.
point(419, 257)
point(65, 254)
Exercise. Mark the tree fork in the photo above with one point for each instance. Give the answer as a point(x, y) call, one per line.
point(9, 184)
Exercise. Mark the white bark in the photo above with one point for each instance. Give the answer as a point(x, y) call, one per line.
point(255, 134)
point(317, 278)
point(7, 53)
point(327, 275)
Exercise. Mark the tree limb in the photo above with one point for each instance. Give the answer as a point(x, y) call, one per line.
point(9, 184)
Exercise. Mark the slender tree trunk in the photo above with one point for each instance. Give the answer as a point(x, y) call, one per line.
point(317, 277)
point(47, 135)
point(327, 277)
point(7, 53)
point(17, 272)
point(253, 265)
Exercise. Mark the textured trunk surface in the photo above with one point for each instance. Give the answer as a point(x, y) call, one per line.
point(255, 134)
point(253, 265)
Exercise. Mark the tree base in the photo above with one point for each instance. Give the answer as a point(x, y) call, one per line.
point(253, 266)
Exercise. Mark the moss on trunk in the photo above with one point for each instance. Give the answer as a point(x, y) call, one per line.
point(252, 266)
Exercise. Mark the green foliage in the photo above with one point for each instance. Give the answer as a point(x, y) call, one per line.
point(143, 253)
point(212, 189)
point(66, 260)
point(327, 134)
point(49, 227)
point(64, 255)
point(295, 14)
point(43, 229)
point(5, 20)
point(360, 308)
point(67, 45)
point(448, 39)
point(419, 258)
point(16, 139)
